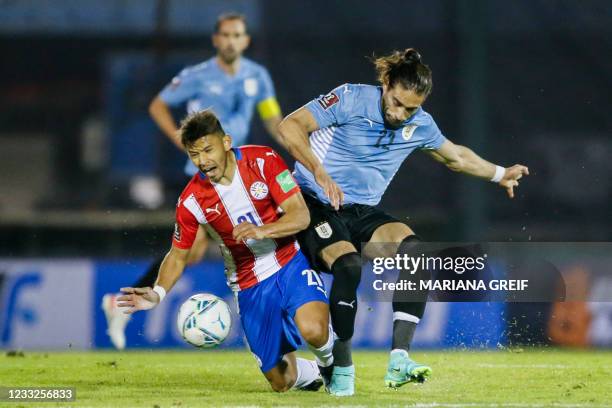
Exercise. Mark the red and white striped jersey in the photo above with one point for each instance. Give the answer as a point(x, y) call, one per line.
point(261, 183)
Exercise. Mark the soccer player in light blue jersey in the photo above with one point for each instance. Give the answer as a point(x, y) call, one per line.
point(348, 145)
point(230, 85)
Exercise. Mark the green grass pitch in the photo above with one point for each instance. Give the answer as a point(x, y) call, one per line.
point(533, 378)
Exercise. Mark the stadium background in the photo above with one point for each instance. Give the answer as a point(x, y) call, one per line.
point(87, 183)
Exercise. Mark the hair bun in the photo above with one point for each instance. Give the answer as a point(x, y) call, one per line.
point(411, 56)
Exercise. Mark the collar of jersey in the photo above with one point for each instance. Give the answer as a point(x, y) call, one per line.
point(237, 153)
point(218, 68)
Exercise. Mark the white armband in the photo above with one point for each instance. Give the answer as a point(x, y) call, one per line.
point(499, 174)
point(161, 292)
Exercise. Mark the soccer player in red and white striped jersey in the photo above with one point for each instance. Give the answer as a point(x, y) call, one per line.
point(247, 200)
point(260, 184)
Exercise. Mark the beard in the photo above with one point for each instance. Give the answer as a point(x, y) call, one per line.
point(394, 123)
point(390, 122)
point(229, 56)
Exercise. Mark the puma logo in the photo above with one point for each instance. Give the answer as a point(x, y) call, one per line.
point(343, 303)
point(216, 209)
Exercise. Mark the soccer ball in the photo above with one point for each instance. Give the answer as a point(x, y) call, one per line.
point(204, 320)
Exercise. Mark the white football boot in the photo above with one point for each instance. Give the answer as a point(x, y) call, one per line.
point(116, 320)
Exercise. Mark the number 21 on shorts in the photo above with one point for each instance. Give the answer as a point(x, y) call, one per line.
point(314, 280)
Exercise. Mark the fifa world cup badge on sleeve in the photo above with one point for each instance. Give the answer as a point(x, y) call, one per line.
point(285, 180)
point(328, 100)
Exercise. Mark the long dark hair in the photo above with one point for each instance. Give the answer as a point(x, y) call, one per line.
point(406, 68)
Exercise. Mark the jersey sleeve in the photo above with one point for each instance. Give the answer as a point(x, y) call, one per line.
point(182, 88)
point(334, 108)
point(267, 105)
point(278, 177)
point(433, 137)
point(185, 228)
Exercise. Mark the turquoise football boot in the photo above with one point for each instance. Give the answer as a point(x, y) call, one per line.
point(342, 382)
point(402, 370)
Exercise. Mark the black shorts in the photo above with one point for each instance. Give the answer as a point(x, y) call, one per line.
point(354, 223)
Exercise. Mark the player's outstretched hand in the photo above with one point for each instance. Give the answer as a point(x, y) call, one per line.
point(512, 176)
point(329, 186)
point(246, 230)
point(135, 299)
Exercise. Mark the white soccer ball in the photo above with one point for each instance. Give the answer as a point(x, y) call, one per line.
point(204, 320)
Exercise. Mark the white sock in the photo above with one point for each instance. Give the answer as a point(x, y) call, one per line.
point(400, 351)
point(307, 372)
point(323, 354)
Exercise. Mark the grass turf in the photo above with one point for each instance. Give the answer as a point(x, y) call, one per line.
point(533, 378)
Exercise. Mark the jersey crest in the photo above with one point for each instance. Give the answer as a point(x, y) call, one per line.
point(259, 190)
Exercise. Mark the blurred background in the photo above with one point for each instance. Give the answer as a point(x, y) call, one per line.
point(88, 183)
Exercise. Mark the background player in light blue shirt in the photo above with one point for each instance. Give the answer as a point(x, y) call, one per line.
point(349, 145)
point(231, 86)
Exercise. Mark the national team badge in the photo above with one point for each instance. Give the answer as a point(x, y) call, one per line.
point(250, 86)
point(408, 131)
point(324, 230)
point(328, 100)
point(259, 190)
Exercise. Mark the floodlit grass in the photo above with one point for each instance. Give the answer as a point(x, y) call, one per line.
point(533, 378)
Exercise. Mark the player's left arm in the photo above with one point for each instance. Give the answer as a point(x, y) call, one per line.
point(463, 160)
point(295, 219)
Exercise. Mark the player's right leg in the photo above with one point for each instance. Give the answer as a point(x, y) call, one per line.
point(306, 305)
point(116, 320)
point(312, 320)
point(294, 373)
point(273, 338)
point(327, 243)
point(345, 265)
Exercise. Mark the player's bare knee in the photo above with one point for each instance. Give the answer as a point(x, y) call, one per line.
point(282, 383)
point(391, 232)
point(280, 386)
point(315, 333)
point(330, 254)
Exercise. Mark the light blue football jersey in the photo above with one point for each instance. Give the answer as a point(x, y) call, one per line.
point(355, 147)
point(232, 98)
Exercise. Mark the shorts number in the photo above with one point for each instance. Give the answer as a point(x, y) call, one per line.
point(313, 277)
